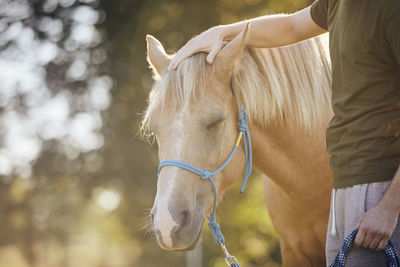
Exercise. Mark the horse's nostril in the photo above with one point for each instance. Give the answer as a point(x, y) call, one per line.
point(184, 218)
point(182, 222)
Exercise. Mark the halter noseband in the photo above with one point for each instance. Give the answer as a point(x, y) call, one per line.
point(208, 175)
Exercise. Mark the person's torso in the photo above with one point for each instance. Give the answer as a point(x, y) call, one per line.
point(361, 137)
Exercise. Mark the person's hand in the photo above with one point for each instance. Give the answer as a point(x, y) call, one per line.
point(376, 227)
point(209, 41)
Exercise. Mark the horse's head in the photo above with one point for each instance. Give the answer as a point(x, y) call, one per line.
point(193, 115)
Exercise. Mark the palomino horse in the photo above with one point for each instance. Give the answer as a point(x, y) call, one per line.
point(193, 114)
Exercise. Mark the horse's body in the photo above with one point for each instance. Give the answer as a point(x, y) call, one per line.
point(297, 195)
point(193, 112)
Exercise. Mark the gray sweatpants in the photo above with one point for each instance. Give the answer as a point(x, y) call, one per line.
point(348, 204)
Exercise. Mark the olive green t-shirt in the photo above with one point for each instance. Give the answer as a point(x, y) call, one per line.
point(364, 42)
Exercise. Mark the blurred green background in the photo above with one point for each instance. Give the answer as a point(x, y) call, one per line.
point(76, 182)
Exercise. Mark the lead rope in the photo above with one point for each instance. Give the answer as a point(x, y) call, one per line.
point(392, 256)
point(207, 175)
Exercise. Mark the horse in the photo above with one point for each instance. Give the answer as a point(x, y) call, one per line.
point(192, 114)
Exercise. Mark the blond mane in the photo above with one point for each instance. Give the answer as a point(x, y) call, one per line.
point(288, 85)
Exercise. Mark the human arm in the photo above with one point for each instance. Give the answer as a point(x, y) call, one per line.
point(266, 31)
point(377, 225)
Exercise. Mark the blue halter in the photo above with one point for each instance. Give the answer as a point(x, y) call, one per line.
point(208, 175)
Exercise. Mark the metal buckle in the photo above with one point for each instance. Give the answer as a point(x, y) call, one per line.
point(229, 258)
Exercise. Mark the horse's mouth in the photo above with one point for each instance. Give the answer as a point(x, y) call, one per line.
point(191, 247)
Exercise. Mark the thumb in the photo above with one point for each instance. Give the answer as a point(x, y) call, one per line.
point(213, 52)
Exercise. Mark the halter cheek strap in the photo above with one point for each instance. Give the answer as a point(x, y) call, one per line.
point(208, 175)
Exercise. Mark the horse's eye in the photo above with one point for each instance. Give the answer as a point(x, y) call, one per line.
point(214, 125)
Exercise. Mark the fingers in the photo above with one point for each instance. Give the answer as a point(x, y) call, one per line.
point(360, 235)
point(369, 236)
point(213, 52)
point(382, 244)
point(187, 52)
point(377, 242)
point(374, 243)
point(206, 42)
point(375, 228)
point(359, 238)
point(178, 58)
point(371, 239)
point(382, 239)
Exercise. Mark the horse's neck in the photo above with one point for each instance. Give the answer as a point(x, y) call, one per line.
point(295, 160)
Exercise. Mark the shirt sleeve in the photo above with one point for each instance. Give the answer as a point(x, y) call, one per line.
point(393, 31)
point(319, 13)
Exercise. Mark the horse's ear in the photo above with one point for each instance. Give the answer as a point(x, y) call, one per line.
point(229, 57)
point(156, 56)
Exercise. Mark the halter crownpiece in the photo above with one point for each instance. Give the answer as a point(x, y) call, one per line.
point(208, 175)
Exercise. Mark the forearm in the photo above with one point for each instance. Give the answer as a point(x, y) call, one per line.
point(391, 199)
point(275, 30)
point(266, 31)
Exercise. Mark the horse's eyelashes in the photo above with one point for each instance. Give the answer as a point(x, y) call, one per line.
point(153, 138)
point(215, 124)
point(151, 134)
point(211, 126)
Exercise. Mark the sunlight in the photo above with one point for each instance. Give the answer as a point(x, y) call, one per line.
point(108, 199)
